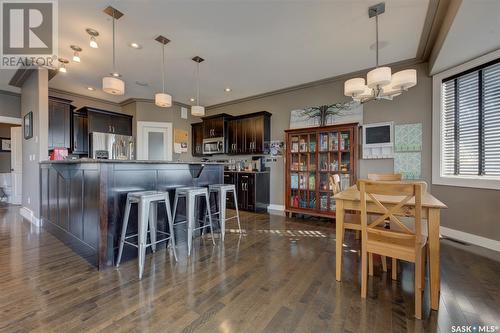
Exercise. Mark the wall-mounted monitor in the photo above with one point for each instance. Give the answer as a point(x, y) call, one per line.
point(378, 140)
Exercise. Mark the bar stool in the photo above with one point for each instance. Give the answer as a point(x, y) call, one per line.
point(190, 193)
point(222, 190)
point(147, 209)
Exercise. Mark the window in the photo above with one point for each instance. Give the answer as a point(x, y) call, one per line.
point(470, 123)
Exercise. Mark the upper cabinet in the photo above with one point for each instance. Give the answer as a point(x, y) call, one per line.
point(249, 134)
point(59, 123)
point(215, 126)
point(197, 139)
point(108, 122)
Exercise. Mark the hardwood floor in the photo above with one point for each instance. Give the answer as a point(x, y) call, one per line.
point(279, 276)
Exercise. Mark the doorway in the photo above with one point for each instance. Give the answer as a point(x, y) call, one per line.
point(154, 141)
point(10, 160)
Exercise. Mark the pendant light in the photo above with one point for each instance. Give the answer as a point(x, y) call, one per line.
point(380, 82)
point(93, 34)
point(198, 110)
point(76, 52)
point(163, 99)
point(112, 84)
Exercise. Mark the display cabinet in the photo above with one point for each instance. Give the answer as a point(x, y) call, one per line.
point(313, 155)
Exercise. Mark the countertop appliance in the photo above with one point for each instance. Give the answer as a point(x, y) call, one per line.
point(111, 146)
point(214, 146)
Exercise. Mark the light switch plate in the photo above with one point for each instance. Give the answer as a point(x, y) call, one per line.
point(184, 113)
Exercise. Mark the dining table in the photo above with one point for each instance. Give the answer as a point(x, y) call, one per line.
point(349, 200)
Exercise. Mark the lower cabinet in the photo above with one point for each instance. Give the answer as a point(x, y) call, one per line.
point(246, 184)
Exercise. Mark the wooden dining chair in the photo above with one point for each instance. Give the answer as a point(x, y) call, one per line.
point(352, 221)
point(399, 242)
point(389, 177)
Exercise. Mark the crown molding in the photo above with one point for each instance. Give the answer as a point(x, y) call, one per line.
point(73, 94)
point(399, 64)
point(148, 100)
point(10, 93)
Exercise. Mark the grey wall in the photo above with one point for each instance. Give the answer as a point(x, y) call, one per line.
point(10, 104)
point(34, 97)
point(470, 210)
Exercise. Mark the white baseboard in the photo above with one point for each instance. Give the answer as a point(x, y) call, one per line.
point(471, 238)
point(276, 209)
point(30, 216)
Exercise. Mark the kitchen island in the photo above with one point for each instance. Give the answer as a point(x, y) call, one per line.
point(83, 201)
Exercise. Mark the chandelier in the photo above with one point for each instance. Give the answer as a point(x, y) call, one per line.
point(380, 82)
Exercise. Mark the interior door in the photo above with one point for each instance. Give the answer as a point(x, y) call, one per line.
point(16, 164)
point(154, 141)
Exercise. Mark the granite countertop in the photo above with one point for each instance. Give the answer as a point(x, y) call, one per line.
point(90, 160)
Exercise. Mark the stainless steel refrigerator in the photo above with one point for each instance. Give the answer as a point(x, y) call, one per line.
point(111, 146)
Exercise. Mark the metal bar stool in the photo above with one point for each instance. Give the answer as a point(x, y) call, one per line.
point(147, 209)
point(190, 193)
point(222, 190)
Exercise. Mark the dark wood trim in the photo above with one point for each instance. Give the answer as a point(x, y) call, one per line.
point(253, 114)
point(59, 99)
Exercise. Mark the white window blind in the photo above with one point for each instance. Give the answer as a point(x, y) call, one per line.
point(470, 123)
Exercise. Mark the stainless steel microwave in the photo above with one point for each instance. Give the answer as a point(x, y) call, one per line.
point(214, 146)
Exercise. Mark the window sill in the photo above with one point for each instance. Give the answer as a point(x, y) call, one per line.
point(491, 183)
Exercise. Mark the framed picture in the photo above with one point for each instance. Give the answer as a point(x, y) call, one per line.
point(5, 144)
point(28, 125)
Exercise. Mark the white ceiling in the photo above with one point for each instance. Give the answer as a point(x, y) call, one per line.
point(251, 46)
point(475, 31)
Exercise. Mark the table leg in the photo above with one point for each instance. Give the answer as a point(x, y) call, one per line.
point(339, 237)
point(435, 282)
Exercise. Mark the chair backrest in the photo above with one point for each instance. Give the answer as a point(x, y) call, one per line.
point(374, 192)
point(386, 177)
point(334, 183)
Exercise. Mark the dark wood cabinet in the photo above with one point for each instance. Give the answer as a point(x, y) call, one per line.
point(80, 143)
point(215, 126)
point(249, 134)
point(197, 139)
point(108, 122)
point(252, 190)
point(59, 123)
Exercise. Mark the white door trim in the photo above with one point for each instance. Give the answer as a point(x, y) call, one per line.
point(11, 120)
point(141, 149)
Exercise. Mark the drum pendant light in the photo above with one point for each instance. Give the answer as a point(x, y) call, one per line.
point(112, 84)
point(198, 110)
point(163, 99)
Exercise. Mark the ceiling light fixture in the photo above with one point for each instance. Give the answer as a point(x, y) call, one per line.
point(93, 34)
point(163, 99)
point(135, 45)
point(76, 52)
point(227, 90)
point(380, 82)
point(192, 99)
point(198, 110)
point(62, 65)
point(90, 88)
point(112, 84)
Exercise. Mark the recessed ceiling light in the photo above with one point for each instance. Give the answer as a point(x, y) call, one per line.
point(191, 99)
point(227, 89)
point(135, 45)
point(115, 74)
point(90, 88)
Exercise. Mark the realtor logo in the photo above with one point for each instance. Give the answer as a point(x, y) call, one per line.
point(29, 33)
